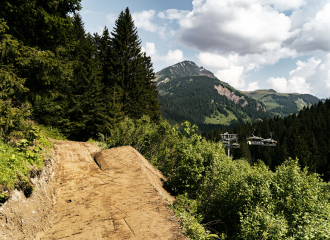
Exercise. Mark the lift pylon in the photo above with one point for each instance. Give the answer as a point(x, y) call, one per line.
point(227, 139)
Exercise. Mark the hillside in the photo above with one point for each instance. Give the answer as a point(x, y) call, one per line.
point(283, 103)
point(207, 102)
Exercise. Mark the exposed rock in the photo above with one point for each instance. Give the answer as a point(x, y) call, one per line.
point(259, 106)
point(230, 95)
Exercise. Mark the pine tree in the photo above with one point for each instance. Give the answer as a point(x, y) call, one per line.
point(88, 105)
point(112, 91)
point(132, 70)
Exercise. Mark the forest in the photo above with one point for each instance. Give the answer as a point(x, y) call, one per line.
point(59, 82)
point(304, 136)
point(63, 77)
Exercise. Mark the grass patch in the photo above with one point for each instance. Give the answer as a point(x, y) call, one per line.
point(271, 105)
point(258, 94)
point(100, 142)
point(162, 92)
point(301, 104)
point(21, 157)
point(15, 166)
point(51, 132)
point(219, 118)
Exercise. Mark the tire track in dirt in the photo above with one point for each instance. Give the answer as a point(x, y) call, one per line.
point(120, 197)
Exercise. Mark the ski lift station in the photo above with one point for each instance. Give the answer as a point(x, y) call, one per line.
point(230, 141)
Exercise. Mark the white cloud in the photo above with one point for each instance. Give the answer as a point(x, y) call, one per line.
point(234, 26)
point(150, 49)
point(172, 57)
point(89, 12)
point(299, 85)
point(210, 60)
point(143, 20)
point(252, 86)
point(319, 78)
point(96, 29)
point(232, 76)
point(278, 84)
point(162, 31)
point(311, 76)
point(111, 18)
point(313, 35)
point(172, 14)
point(235, 67)
point(293, 85)
point(305, 69)
point(299, 80)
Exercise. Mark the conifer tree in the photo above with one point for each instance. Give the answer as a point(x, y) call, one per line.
point(112, 91)
point(88, 111)
point(132, 70)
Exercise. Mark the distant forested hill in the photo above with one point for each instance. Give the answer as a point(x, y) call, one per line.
point(283, 103)
point(305, 136)
point(207, 102)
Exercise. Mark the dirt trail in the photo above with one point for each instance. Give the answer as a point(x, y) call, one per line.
point(122, 198)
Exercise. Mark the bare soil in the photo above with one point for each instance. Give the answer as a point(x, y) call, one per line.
point(113, 194)
point(23, 218)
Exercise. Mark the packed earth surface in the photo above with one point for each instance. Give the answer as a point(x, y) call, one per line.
point(93, 194)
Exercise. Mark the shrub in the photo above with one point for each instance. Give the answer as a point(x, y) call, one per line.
point(233, 198)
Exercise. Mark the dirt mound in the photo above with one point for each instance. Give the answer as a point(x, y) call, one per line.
point(122, 198)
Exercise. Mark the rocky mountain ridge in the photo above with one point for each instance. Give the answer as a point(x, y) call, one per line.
point(181, 69)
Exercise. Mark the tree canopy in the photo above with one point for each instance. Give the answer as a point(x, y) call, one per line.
point(82, 84)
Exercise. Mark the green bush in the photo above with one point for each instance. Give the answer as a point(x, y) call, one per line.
point(233, 198)
point(22, 154)
point(15, 166)
point(187, 210)
point(51, 132)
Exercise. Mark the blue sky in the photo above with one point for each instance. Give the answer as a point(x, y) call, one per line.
point(250, 44)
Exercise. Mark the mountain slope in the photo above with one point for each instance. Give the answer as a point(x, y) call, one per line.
point(207, 102)
point(283, 103)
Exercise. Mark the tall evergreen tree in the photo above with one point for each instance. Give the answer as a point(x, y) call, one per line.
point(132, 70)
point(91, 109)
point(111, 91)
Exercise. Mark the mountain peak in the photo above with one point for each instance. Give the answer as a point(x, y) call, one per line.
point(185, 68)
